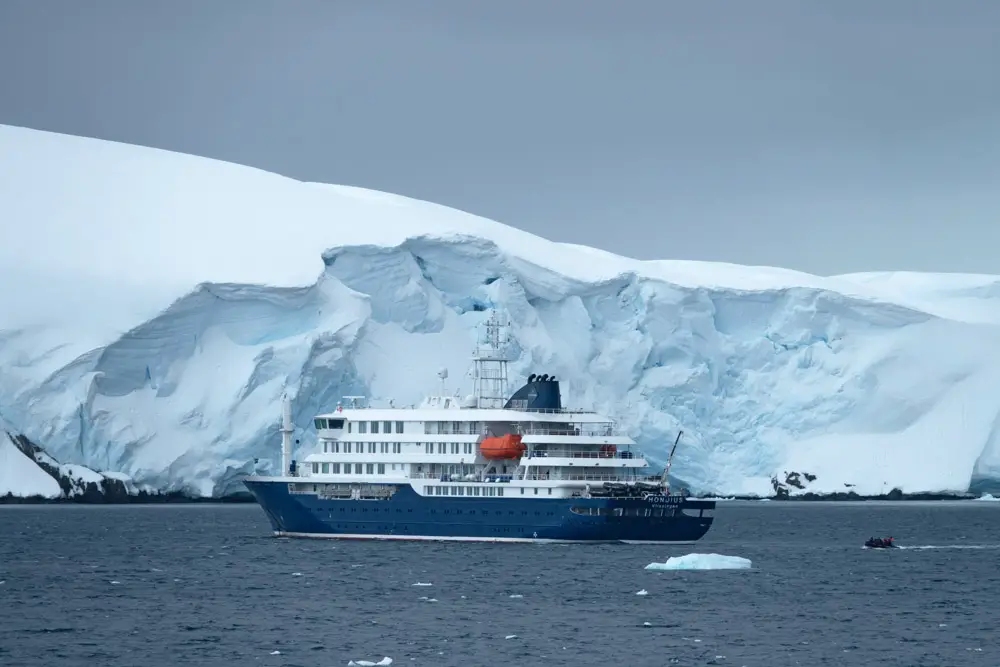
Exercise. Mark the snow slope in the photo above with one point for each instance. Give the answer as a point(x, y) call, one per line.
point(20, 476)
point(871, 380)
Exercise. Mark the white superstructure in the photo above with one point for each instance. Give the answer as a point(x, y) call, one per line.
point(487, 444)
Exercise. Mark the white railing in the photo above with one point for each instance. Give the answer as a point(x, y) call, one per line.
point(621, 479)
point(595, 431)
point(577, 454)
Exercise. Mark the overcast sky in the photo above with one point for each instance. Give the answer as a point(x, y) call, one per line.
point(831, 136)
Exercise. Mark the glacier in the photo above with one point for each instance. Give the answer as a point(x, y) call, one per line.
point(157, 305)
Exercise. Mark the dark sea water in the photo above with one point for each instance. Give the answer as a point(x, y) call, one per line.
point(207, 585)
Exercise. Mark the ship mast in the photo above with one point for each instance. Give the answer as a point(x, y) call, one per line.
point(490, 364)
point(287, 429)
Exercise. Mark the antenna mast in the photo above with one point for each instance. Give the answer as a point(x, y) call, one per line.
point(490, 364)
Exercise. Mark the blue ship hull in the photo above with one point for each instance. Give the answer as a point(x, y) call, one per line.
point(406, 515)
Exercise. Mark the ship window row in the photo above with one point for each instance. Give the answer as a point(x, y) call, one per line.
point(351, 468)
point(620, 511)
point(449, 448)
point(374, 427)
point(359, 447)
point(328, 423)
point(452, 428)
point(338, 447)
point(485, 491)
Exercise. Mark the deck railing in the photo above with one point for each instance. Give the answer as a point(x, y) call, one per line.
point(583, 430)
point(577, 454)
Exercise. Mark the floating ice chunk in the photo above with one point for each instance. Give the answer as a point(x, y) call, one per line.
point(275, 652)
point(643, 591)
point(384, 662)
point(115, 582)
point(420, 583)
point(514, 597)
point(511, 637)
point(988, 497)
point(296, 574)
point(702, 562)
point(647, 624)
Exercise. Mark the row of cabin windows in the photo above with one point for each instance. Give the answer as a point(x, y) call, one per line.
point(487, 491)
point(373, 427)
point(359, 468)
point(430, 428)
point(454, 447)
point(359, 447)
point(397, 447)
point(359, 427)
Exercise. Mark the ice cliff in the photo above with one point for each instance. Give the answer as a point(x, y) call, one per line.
point(156, 306)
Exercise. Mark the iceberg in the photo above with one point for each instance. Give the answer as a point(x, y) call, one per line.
point(702, 562)
point(161, 304)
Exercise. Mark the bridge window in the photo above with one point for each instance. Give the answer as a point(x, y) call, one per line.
point(399, 427)
point(387, 427)
point(335, 423)
point(374, 427)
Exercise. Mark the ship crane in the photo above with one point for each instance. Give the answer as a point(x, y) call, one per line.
point(665, 483)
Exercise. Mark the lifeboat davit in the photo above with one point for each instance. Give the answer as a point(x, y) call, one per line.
point(502, 447)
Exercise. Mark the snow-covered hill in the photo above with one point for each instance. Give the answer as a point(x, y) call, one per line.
point(27, 471)
point(875, 380)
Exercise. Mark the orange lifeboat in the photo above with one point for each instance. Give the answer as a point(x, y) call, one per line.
point(503, 447)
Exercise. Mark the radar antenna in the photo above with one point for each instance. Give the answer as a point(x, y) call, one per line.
point(490, 363)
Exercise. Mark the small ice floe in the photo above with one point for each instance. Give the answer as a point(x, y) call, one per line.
point(275, 652)
point(643, 591)
point(115, 583)
point(988, 497)
point(2, 582)
point(702, 562)
point(516, 597)
point(296, 574)
point(511, 637)
point(155, 569)
point(421, 583)
point(384, 662)
point(647, 624)
point(427, 599)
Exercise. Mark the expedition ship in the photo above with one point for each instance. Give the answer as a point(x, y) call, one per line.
point(488, 468)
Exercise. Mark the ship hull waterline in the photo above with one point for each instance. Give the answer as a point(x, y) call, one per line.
point(409, 516)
